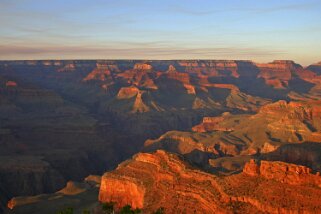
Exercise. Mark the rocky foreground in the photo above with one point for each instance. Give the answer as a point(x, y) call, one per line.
point(162, 180)
point(150, 181)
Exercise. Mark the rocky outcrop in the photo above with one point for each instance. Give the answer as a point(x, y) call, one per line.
point(212, 67)
point(303, 117)
point(278, 73)
point(98, 74)
point(252, 168)
point(181, 77)
point(283, 172)
point(212, 124)
point(143, 66)
point(102, 72)
point(122, 190)
point(139, 105)
point(297, 110)
point(149, 181)
point(171, 68)
point(127, 92)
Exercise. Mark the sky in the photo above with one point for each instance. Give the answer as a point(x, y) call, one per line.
point(257, 30)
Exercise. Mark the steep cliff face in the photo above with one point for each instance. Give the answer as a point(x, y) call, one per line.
point(283, 172)
point(124, 191)
point(215, 67)
point(278, 73)
point(149, 181)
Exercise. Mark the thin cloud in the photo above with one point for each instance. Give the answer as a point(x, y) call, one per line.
point(290, 7)
point(131, 52)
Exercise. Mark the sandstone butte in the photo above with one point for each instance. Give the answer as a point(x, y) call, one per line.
point(161, 179)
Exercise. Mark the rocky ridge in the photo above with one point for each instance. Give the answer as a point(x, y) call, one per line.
point(149, 181)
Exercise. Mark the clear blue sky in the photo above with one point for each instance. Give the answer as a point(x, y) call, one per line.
point(161, 29)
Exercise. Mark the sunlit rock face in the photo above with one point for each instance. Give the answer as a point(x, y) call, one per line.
point(149, 181)
point(127, 92)
point(278, 73)
point(283, 172)
point(143, 66)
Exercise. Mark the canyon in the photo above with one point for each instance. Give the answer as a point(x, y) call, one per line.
point(192, 127)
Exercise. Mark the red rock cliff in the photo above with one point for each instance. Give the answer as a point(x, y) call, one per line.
point(283, 172)
point(151, 181)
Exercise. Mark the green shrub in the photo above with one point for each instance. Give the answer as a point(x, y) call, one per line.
point(128, 210)
point(160, 210)
point(85, 212)
point(68, 210)
point(108, 207)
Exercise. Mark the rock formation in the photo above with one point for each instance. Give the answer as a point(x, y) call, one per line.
point(102, 72)
point(283, 172)
point(149, 181)
point(127, 92)
point(143, 66)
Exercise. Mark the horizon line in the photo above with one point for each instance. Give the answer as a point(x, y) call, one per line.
point(148, 59)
